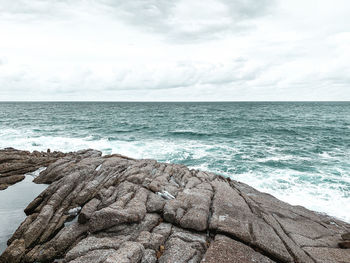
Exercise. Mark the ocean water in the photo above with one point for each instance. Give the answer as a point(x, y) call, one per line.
point(12, 203)
point(299, 152)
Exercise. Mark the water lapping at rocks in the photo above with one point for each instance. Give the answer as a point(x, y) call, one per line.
point(13, 202)
point(15, 164)
point(297, 151)
point(116, 209)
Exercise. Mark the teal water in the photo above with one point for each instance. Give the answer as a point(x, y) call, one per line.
point(299, 152)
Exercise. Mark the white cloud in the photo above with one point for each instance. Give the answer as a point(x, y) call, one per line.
point(174, 50)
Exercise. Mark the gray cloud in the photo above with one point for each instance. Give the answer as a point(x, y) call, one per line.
point(203, 20)
point(174, 50)
point(34, 10)
point(178, 20)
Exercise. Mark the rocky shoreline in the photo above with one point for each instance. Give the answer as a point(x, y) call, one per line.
point(117, 209)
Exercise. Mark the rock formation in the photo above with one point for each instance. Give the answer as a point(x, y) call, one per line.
point(117, 209)
point(14, 164)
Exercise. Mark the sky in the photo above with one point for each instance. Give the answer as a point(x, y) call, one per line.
point(174, 50)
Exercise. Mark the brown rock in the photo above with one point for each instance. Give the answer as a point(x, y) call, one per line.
point(346, 236)
point(190, 209)
point(231, 214)
point(12, 179)
point(129, 252)
point(88, 210)
point(328, 255)
point(183, 246)
point(128, 210)
point(226, 250)
point(155, 203)
point(14, 164)
point(14, 253)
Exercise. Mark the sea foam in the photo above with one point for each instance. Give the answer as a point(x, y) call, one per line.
point(281, 149)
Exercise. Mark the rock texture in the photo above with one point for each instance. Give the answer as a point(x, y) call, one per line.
point(14, 164)
point(117, 209)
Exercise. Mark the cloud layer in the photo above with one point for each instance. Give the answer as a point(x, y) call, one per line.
point(174, 50)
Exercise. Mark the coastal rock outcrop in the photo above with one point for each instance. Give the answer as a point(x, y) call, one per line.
point(117, 209)
point(14, 164)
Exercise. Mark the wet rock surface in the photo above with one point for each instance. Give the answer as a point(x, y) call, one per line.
point(117, 209)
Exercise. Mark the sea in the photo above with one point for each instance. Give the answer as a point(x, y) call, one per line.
point(297, 151)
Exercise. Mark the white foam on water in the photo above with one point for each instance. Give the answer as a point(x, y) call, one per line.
point(325, 155)
point(287, 185)
point(26, 140)
point(37, 172)
point(276, 158)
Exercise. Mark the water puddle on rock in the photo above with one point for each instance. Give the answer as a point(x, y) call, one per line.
point(13, 201)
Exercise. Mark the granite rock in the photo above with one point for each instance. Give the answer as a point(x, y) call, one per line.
point(117, 209)
point(14, 164)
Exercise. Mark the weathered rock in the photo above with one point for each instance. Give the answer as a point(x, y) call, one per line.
point(117, 209)
point(227, 250)
point(128, 252)
point(190, 209)
point(12, 179)
point(128, 210)
point(155, 203)
point(149, 256)
point(184, 246)
point(14, 253)
point(88, 210)
point(92, 243)
point(14, 164)
point(295, 251)
point(328, 255)
point(345, 236)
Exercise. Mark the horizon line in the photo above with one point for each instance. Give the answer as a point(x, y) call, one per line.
point(170, 101)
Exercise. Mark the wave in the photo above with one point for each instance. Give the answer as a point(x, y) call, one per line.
point(288, 186)
point(276, 158)
point(312, 189)
point(189, 133)
point(325, 155)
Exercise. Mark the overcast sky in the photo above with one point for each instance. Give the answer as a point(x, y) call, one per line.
point(174, 50)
